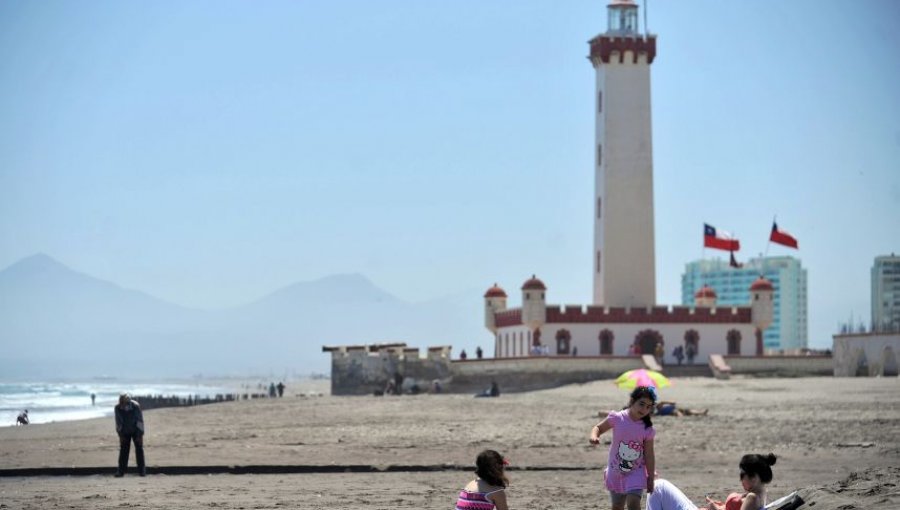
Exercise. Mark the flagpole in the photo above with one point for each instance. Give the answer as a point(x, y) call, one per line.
point(768, 243)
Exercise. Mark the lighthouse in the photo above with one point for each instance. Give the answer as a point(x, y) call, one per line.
point(624, 266)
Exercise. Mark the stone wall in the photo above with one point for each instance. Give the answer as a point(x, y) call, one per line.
point(536, 372)
point(780, 366)
point(866, 354)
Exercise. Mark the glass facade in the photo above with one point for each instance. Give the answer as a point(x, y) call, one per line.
point(886, 294)
point(788, 331)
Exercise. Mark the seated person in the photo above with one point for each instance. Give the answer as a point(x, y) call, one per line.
point(22, 419)
point(755, 476)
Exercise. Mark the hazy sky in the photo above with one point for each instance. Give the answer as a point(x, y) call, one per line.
point(209, 152)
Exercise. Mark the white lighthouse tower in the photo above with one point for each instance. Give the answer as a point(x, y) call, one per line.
point(624, 261)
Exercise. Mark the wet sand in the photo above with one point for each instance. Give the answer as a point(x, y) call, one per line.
point(837, 439)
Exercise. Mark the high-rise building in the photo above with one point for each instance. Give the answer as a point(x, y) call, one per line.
point(886, 294)
point(789, 327)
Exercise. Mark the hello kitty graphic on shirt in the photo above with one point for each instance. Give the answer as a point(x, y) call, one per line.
point(629, 453)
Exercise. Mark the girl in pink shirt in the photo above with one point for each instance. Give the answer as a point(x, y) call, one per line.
point(631, 462)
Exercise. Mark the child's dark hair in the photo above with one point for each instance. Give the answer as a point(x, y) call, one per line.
point(759, 465)
point(648, 392)
point(489, 467)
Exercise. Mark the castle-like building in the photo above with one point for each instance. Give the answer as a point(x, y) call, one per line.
point(624, 317)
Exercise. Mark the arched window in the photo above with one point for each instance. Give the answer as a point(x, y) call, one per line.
point(606, 342)
point(563, 341)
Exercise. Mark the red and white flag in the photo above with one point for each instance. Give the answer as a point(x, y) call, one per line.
point(719, 239)
point(781, 237)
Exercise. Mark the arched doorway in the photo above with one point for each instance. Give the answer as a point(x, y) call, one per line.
point(861, 366)
point(646, 341)
point(888, 362)
point(733, 337)
point(606, 342)
point(563, 341)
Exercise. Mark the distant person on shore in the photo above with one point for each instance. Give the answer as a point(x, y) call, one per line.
point(463, 355)
point(488, 490)
point(493, 391)
point(130, 427)
point(280, 389)
point(691, 351)
point(669, 408)
point(678, 353)
point(659, 352)
point(478, 352)
point(93, 399)
point(632, 462)
point(436, 386)
point(22, 419)
point(755, 475)
point(272, 390)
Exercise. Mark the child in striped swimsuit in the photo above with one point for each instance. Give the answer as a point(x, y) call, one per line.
point(488, 490)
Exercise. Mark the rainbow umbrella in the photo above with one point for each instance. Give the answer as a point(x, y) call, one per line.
point(642, 377)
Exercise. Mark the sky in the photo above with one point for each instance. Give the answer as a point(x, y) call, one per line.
point(211, 152)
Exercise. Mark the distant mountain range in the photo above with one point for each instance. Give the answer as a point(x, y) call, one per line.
point(58, 322)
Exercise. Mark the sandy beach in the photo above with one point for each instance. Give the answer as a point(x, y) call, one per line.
point(838, 441)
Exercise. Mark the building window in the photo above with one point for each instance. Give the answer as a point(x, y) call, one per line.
point(599, 207)
point(598, 261)
point(606, 342)
point(599, 101)
point(734, 342)
point(599, 154)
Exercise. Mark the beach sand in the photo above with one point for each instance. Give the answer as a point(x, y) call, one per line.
point(838, 441)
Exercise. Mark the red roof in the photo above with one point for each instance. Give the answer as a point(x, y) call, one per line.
point(705, 292)
point(762, 284)
point(534, 284)
point(495, 291)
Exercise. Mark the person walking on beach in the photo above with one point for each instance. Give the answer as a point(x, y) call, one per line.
point(22, 419)
point(280, 389)
point(93, 399)
point(488, 490)
point(632, 462)
point(755, 474)
point(130, 427)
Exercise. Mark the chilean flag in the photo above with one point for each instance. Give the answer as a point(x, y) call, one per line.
point(782, 237)
point(719, 240)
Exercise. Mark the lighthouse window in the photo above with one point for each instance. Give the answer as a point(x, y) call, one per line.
point(599, 207)
point(600, 101)
point(599, 154)
point(598, 261)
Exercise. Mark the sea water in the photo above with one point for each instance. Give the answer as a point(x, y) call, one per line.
point(65, 401)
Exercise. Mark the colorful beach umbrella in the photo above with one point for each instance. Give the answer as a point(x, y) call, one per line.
point(642, 377)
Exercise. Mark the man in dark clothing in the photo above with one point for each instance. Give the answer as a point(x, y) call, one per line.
point(280, 389)
point(130, 427)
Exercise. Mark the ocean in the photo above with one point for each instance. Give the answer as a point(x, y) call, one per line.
point(66, 401)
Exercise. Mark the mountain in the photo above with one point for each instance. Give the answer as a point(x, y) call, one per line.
point(58, 322)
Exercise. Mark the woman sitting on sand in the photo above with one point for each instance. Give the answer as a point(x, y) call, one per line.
point(488, 489)
point(756, 473)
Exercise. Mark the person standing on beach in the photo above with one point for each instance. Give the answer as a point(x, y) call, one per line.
point(130, 427)
point(93, 399)
point(22, 419)
point(632, 462)
point(488, 490)
point(280, 389)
